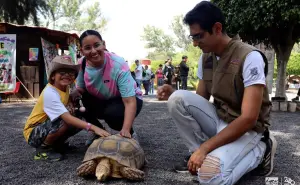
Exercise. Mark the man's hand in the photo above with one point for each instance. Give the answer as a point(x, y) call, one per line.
point(125, 133)
point(164, 92)
point(196, 160)
point(100, 132)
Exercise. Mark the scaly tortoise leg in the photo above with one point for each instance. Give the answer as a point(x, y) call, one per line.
point(103, 169)
point(87, 168)
point(132, 173)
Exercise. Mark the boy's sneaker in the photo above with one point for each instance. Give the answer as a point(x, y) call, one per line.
point(47, 154)
point(64, 147)
point(265, 168)
point(182, 166)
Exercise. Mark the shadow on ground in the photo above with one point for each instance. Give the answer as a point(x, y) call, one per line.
point(157, 135)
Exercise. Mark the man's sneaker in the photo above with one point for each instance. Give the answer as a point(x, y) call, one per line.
point(47, 154)
point(265, 168)
point(182, 166)
point(91, 137)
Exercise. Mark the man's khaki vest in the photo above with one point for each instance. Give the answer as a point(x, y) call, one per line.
point(224, 81)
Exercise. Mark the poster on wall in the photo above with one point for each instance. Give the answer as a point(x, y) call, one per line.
point(49, 52)
point(33, 54)
point(7, 62)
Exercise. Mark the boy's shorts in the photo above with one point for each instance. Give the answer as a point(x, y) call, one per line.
point(41, 131)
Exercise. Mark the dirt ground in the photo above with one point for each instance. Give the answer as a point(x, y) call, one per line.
point(158, 136)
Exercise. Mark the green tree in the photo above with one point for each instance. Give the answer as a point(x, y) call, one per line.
point(156, 39)
point(81, 19)
point(293, 67)
point(55, 12)
point(275, 23)
point(180, 30)
point(95, 20)
point(296, 48)
point(22, 10)
point(71, 11)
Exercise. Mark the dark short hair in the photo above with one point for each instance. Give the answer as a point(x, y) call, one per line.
point(87, 33)
point(184, 57)
point(206, 14)
point(136, 61)
point(160, 65)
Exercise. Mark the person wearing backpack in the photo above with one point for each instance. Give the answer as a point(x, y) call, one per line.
point(107, 88)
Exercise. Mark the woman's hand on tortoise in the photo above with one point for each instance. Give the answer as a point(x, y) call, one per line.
point(125, 133)
point(100, 132)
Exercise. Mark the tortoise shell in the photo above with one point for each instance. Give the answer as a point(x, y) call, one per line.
point(125, 151)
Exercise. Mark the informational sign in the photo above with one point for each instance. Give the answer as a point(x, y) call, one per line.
point(49, 52)
point(7, 62)
point(33, 54)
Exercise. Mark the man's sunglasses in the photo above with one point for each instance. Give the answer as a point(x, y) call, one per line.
point(197, 36)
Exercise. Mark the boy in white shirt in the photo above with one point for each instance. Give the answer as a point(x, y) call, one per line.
point(50, 123)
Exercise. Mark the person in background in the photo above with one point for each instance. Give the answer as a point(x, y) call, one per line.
point(151, 89)
point(138, 73)
point(50, 123)
point(230, 137)
point(297, 97)
point(177, 77)
point(168, 72)
point(146, 79)
point(160, 75)
point(107, 88)
point(184, 72)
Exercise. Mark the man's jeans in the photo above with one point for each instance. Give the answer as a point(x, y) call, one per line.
point(146, 84)
point(184, 82)
point(197, 121)
point(138, 83)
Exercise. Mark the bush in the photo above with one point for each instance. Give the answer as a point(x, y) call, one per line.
point(293, 65)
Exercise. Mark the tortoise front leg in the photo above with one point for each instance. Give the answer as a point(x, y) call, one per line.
point(87, 168)
point(132, 173)
point(103, 169)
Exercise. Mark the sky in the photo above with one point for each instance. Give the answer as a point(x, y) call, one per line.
point(127, 18)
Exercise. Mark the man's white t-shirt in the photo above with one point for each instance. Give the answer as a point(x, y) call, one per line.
point(53, 106)
point(253, 69)
point(139, 72)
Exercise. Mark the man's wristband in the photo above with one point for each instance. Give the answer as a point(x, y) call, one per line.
point(88, 127)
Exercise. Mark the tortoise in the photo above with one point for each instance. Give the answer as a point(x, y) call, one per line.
point(113, 156)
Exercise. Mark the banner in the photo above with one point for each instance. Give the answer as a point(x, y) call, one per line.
point(49, 52)
point(33, 54)
point(7, 62)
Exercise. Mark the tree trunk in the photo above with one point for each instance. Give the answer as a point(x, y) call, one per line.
point(282, 55)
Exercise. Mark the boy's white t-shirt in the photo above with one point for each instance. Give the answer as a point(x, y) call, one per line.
point(53, 106)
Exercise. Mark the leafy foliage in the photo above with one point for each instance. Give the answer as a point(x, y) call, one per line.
point(180, 30)
point(76, 17)
point(267, 21)
point(22, 10)
point(159, 41)
point(275, 23)
point(293, 66)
